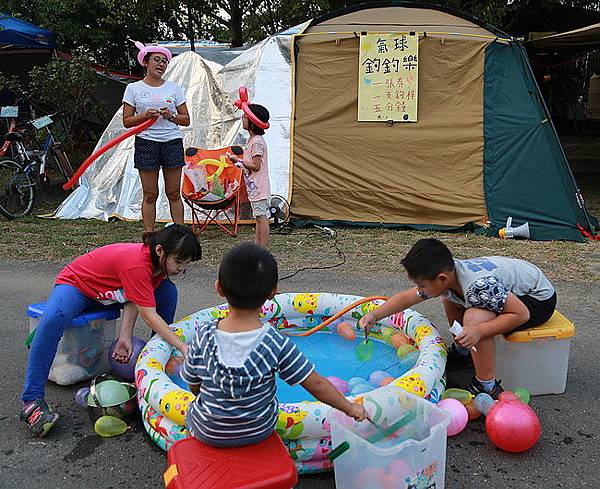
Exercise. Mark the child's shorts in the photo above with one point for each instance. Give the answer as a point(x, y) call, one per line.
point(152, 155)
point(259, 208)
point(539, 311)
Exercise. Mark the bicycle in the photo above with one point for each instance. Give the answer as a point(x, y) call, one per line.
point(11, 123)
point(19, 180)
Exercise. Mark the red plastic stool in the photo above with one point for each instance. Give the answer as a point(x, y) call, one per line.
point(194, 465)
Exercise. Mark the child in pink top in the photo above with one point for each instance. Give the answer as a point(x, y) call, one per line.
point(256, 172)
point(133, 273)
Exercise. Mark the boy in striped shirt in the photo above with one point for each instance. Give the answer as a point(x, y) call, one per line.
point(231, 363)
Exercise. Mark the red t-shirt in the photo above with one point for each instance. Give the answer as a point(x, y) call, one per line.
point(115, 273)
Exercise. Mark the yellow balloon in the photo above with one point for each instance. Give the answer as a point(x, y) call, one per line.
point(107, 426)
point(221, 163)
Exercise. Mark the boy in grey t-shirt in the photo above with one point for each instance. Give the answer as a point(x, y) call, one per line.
point(487, 296)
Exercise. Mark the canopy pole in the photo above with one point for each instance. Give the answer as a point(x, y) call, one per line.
point(578, 194)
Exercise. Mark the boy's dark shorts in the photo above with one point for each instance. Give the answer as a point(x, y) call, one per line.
point(152, 155)
point(539, 311)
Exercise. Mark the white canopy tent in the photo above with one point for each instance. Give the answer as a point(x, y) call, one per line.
point(111, 187)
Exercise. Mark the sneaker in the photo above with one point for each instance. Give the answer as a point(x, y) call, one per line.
point(475, 387)
point(39, 417)
point(457, 361)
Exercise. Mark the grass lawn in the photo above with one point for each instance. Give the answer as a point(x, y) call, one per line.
point(370, 250)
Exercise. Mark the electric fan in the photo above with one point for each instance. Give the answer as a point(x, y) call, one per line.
point(279, 210)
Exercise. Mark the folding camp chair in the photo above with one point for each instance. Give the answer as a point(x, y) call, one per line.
point(206, 207)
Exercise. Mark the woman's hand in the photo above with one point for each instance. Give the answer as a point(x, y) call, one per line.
point(151, 113)
point(165, 113)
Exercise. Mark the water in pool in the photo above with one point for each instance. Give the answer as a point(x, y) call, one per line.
point(334, 355)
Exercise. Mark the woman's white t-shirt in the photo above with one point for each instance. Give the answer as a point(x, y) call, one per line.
point(143, 97)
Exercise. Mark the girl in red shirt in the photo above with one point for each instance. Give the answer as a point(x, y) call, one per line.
point(137, 273)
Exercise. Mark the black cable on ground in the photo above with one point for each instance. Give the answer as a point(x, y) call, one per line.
point(340, 253)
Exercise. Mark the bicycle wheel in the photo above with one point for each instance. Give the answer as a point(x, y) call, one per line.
point(17, 190)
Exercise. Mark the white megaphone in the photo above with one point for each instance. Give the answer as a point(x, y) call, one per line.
point(509, 232)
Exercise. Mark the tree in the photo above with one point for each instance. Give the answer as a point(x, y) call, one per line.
point(99, 29)
point(68, 85)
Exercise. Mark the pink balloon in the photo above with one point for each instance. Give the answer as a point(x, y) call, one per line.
point(458, 415)
point(512, 426)
point(399, 468)
point(340, 384)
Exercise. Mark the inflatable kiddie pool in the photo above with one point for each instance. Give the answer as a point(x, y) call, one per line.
point(302, 421)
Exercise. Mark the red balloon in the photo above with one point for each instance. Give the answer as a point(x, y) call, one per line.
point(99, 152)
point(512, 426)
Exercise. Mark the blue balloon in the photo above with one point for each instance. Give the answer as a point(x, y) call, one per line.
point(483, 402)
point(361, 389)
point(354, 381)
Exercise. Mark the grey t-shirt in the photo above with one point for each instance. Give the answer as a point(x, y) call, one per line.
point(486, 282)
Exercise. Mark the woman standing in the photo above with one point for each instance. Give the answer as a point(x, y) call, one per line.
point(160, 145)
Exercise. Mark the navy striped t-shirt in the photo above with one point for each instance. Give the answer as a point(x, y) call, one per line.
point(236, 406)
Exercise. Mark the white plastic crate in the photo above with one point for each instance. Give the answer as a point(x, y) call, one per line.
point(414, 456)
point(537, 358)
point(83, 350)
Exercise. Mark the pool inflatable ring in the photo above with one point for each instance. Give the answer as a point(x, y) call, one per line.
point(303, 425)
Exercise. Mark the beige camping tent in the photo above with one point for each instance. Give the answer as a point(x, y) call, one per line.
point(430, 171)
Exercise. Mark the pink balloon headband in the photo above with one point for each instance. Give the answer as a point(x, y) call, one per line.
point(242, 103)
point(144, 50)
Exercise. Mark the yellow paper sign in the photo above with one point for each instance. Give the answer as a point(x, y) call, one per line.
point(388, 75)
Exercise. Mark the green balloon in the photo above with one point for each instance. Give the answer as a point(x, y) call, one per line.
point(404, 350)
point(364, 351)
point(459, 394)
point(522, 394)
point(107, 426)
point(387, 333)
point(109, 393)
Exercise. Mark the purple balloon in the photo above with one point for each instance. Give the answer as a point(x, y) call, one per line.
point(126, 371)
point(81, 395)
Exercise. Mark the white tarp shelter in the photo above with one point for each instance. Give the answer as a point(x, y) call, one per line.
point(111, 187)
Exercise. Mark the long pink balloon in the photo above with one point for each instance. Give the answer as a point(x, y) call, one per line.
point(90, 159)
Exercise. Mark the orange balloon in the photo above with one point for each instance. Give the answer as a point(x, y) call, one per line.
point(400, 339)
point(472, 410)
point(345, 330)
point(386, 381)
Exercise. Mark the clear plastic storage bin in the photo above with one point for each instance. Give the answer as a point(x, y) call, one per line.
point(536, 358)
point(83, 350)
point(405, 450)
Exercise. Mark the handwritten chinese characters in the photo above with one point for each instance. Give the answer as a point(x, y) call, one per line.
point(388, 77)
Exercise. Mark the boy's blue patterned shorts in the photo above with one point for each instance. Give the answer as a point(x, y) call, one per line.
point(152, 155)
